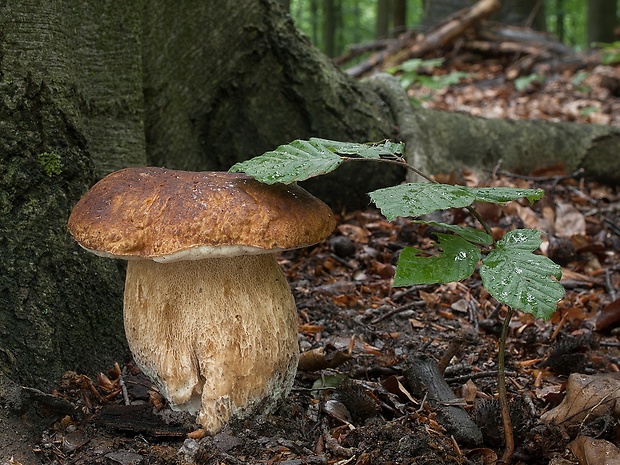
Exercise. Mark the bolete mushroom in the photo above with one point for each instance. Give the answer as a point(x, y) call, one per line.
point(208, 314)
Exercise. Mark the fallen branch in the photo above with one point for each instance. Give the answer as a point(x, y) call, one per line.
point(447, 32)
point(355, 50)
point(422, 377)
point(413, 45)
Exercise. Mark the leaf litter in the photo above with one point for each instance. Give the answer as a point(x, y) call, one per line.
point(352, 401)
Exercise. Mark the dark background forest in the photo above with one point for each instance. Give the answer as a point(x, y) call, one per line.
point(333, 24)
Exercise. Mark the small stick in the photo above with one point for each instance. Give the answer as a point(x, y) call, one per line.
point(481, 374)
point(121, 382)
point(395, 311)
point(451, 351)
point(611, 290)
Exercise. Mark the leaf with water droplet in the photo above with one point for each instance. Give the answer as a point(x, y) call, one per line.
point(515, 276)
point(505, 194)
point(473, 235)
point(305, 159)
point(418, 198)
point(369, 150)
point(297, 161)
point(457, 261)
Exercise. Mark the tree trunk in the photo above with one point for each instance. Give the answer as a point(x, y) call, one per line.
point(71, 110)
point(329, 27)
point(314, 20)
point(400, 17)
point(214, 97)
point(601, 20)
point(445, 142)
point(559, 20)
point(382, 26)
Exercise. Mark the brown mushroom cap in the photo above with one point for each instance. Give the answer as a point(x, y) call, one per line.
point(167, 214)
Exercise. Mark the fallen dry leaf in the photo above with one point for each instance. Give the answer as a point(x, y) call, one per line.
point(318, 359)
point(568, 220)
point(587, 396)
point(483, 455)
point(354, 232)
point(591, 451)
point(609, 316)
point(393, 385)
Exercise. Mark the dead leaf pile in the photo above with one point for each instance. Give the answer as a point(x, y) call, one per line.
point(585, 96)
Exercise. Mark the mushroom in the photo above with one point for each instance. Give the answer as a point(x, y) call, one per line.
point(208, 314)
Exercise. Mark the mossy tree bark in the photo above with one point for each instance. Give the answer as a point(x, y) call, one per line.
point(446, 142)
point(450, 142)
point(71, 108)
point(92, 87)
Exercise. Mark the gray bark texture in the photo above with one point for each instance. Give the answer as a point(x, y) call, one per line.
point(461, 141)
point(71, 95)
point(90, 87)
point(246, 83)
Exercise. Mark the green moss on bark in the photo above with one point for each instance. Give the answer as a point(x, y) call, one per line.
point(60, 307)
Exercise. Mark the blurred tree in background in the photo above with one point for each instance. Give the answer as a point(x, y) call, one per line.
point(602, 20)
point(332, 25)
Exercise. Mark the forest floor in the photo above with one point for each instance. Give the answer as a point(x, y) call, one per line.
point(358, 398)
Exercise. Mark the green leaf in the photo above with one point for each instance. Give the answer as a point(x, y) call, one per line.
point(505, 194)
point(517, 277)
point(469, 234)
point(290, 163)
point(416, 199)
point(457, 261)
point(301, 159)
point(413, 65)
point(374, 151)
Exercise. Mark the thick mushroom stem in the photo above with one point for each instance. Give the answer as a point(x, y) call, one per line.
point(217, 335)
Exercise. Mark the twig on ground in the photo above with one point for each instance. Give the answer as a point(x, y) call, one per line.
point(332, 444)
point(55, 403)
point(123, 386)
point(611, 290)
point(482, 374)
point(397, 310)
point(451, 351)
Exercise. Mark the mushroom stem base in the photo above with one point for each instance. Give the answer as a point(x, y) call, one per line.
point(218, 336)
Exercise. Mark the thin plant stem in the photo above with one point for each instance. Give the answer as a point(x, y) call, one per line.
point(476, 215)
point(501, 388)
point(398, 162)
